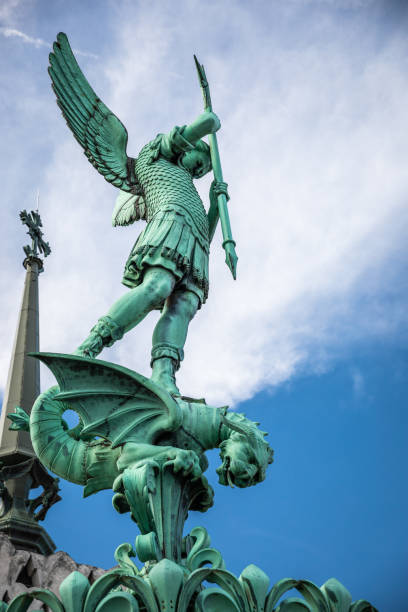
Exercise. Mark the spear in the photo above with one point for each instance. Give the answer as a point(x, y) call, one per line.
point(219, 209)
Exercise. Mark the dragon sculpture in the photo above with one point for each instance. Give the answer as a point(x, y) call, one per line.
point(130, 426)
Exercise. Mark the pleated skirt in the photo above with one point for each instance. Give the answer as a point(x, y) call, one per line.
point(172, 241)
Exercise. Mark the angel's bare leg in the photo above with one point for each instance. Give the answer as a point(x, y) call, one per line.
point(129, 310)
point(169, 337)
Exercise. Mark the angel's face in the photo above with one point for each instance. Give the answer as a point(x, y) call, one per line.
point(196, 162)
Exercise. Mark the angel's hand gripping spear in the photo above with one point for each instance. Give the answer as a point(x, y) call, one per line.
point(219, 207)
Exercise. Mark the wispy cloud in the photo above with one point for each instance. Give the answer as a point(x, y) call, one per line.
point(11, 33)
point(38, 42)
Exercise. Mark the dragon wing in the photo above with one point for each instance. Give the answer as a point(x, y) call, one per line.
point(113, 402)
point(99, 132)
point(128, 208)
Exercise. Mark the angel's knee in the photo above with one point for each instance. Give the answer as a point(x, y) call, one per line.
point(158, 283)
point(184, 304)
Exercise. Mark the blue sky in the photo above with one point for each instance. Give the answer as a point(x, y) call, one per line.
point(311, 339)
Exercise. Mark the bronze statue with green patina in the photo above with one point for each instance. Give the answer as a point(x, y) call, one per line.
point(139, 436)
point(167, 268)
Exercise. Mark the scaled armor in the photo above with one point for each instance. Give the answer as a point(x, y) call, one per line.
point(176, 236)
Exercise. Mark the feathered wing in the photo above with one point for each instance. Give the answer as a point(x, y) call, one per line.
point(99, 132)
point(128, 208)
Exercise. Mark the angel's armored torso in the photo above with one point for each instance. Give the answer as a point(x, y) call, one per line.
point(176, 236)
point(167, 186)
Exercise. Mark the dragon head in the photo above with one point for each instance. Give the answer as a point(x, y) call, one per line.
point(245, 453)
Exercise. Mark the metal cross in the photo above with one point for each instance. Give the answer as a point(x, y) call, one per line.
point(33, 221)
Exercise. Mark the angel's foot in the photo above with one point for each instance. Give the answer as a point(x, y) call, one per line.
point(164, 374)
point(104, 333)
point(91, 347)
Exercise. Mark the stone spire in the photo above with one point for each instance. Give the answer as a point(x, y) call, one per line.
point(20, 470)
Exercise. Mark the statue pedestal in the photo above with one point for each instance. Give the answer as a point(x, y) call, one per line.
point(159, 501)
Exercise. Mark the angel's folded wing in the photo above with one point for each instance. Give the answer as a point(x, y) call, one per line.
point(100, 133)
point(128, 208)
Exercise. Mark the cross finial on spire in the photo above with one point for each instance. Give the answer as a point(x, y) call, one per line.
point(20, 470)
point(38, 245)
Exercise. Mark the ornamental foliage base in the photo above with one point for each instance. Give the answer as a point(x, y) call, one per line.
point(166, 586)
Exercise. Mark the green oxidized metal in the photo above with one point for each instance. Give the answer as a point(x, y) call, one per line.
point(176, 236)
point(168, 265)
point(140, 437)
point(38, 245)
point(149, 448)
point(168, 588)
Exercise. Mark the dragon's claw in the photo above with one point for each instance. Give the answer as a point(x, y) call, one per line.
point(184, 461)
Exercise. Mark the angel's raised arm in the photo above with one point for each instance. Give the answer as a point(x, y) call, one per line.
point(99, 132)
point(204, 124)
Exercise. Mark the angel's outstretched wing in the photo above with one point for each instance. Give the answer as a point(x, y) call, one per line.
point(128, 208)
point(113, 402)
point(100, 133)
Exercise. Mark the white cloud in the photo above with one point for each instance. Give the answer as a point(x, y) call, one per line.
point(38, 42)
point(314, 149)
point(12, 33)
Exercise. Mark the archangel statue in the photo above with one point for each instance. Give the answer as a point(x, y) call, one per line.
point(167, 268)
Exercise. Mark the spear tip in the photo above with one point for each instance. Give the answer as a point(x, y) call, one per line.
point(231, 258)
point(233, 267)
point(201, 72)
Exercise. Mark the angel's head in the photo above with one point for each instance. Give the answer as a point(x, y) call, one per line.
point(197, 161)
